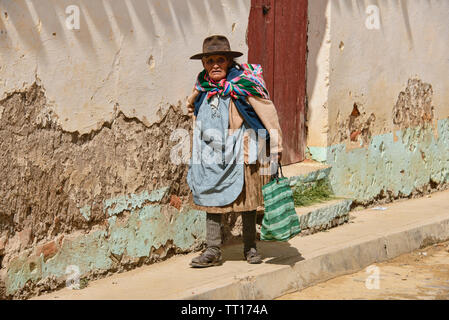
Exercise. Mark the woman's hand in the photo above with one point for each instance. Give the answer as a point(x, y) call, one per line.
point(190, 102)
point(190, 109)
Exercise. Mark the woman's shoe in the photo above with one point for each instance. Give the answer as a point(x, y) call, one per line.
point(252, 256)
point(210, 257)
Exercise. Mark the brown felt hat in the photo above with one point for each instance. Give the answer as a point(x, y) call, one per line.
point(216, 45)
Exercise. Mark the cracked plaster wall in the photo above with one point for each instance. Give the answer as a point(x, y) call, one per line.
point(350, 64)
point(112, 190)
point(373, 67)
point(85, 122)
point(131, 54)
point(385, 96)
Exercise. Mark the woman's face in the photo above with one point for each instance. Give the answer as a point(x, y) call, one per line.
point(216, 66)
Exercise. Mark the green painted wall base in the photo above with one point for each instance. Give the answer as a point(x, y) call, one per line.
point(416, 159)
point(147, 231)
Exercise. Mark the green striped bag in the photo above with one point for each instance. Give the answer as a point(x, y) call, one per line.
point(280, 221)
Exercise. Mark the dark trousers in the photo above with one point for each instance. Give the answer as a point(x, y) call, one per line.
point(213, 230)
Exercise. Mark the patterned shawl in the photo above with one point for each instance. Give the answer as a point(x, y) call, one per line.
point(249, 83)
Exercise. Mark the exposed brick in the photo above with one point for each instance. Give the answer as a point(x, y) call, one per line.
point(355, 134)
point(49, 249)
point(58, 240)
point(175, 201)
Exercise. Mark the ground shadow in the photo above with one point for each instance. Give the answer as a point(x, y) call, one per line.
point(280, 252)
point(277, 252)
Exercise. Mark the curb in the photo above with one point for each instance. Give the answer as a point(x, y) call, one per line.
point(346, 260)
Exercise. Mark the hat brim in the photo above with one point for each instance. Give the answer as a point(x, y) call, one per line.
point(233, 54)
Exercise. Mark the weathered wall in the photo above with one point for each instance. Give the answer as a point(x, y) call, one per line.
point(371, 67)
point(86, 117)
point(130, 54)
point(386, 98)
point(85, 123)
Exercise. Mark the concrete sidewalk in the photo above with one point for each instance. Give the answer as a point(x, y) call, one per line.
point(372, 236)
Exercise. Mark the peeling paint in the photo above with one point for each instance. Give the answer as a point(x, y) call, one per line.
point(123, 243)
point(389, 166)
point(317, 153)
point(60, 182)
point(119, 204)
point(414, 106)
point(357, 127)
point(88, 71)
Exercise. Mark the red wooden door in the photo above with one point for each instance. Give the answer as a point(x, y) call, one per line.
point(277, 39)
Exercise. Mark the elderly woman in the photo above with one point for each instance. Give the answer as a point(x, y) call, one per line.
point(228, 100)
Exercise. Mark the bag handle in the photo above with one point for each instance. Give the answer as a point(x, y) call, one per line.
point(276, 175)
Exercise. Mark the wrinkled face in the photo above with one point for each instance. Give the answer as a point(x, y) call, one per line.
point(216, 66)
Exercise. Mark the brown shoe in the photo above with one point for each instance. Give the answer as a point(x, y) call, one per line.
point(252, 256)
point(210, 257)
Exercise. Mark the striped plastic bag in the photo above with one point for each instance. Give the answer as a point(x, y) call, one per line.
point(280, 221)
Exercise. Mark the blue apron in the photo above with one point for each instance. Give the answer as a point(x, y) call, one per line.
point(216, 170)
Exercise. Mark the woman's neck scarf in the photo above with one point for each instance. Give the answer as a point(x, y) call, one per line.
point(247, 83)
point(239, 83)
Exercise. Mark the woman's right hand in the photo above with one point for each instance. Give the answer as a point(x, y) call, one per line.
point(190, 109)
point(190, 103)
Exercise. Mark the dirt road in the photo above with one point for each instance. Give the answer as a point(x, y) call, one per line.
point(422, 274)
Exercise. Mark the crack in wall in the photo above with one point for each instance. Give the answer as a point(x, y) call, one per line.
point(114, 70)
point(49, 174)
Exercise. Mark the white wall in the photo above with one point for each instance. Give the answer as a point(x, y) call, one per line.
point(374, 65)
point(108, 60)
point(349, 63)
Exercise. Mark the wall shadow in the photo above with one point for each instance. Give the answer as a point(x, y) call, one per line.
point(348, 10)
point(174, 20)
point(406, 17)
point(316, 30)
